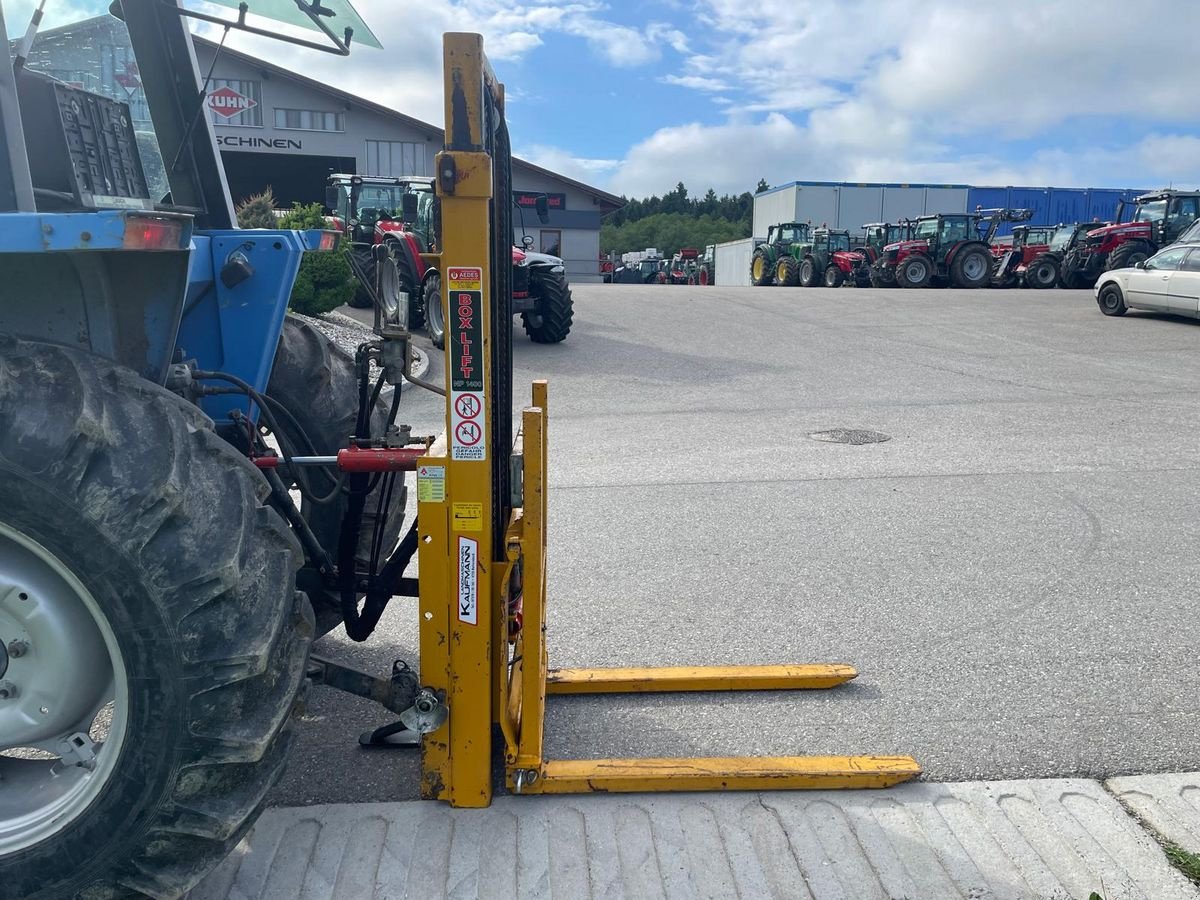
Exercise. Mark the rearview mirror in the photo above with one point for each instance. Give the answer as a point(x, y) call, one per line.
point(332, 196)
point(542, 205)
point(1140, 264)
point(408, 206)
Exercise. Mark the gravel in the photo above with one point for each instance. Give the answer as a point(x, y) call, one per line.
point(341, 329)
point(348, 333)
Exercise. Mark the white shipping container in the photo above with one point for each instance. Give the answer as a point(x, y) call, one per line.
point(774, 208)
point(858, 206)
point(902, 203)
point(732, 260)
point(817, 204)
point(945, 200)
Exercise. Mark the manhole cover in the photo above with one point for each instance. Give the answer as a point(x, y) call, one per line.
point(850, 436)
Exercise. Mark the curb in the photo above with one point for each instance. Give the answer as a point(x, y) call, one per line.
point(420, 361)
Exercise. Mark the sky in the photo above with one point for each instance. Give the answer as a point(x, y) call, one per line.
point(634, 97)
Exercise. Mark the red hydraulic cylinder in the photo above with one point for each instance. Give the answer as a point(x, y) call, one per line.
point(353, 459)
point(365, 459)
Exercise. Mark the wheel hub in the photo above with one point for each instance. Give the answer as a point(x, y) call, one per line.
point(67, 670)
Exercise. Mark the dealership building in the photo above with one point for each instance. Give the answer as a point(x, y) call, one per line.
point(279, 129)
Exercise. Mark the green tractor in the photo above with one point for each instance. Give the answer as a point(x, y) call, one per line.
point(827, 260)
point(780, 239)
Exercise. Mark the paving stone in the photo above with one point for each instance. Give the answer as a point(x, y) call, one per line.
point(994, 840)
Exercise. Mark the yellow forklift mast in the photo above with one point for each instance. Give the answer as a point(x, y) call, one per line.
point(481, 492)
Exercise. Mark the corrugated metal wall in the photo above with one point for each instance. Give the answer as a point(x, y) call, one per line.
point(946, 199)
point(851, 206)
point(774, 207)
point(733, 263)
point(1052, 205)
point(817, 203)
point(858, 206)
point(901, 202)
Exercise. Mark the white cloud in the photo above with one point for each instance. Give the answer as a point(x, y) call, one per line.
point(696, 82)
point(661, 32)
point(861, 90)
point(585, 169)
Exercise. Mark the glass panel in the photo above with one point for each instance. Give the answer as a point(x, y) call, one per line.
point(345, 16)
point(1168, 259)
point(96, 56)
point(1192, 262)
point(927, 228)
point(1151, 212)
point(839, 242)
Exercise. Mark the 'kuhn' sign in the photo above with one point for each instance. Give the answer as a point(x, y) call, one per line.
point(227, 102)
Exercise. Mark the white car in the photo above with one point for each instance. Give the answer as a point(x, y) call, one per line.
point(1167, 282)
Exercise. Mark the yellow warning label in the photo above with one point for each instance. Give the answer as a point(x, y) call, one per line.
point(466, 517)
point(431, 484)
point(464, 278)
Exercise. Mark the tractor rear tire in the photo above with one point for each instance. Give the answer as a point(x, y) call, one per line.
point(120, 502)
point(1128, 254)
point(808, 272)
point(553, 312)
point(704, 278)
point(762, 272)
point(435, 315)
point(315, 380)
point(787, 272)
point(1042, 273)
point(406, 280)
point(361, 298)
point(972, 268)
point(1069, 278)
point(915, 272)
point(833, 276)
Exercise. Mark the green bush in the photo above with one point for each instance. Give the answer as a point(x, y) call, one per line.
point(257, 211)
point(304, 217)
point(324, 283)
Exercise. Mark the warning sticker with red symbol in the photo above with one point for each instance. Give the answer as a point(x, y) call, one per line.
point(464, 343)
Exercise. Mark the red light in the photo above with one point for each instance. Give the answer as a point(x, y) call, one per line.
point(329, 240)
point(148, 233)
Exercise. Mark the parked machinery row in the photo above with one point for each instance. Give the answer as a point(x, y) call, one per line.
point(688, 266)
point(957, 249)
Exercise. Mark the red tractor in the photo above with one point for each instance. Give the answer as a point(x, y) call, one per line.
point(946, 249)
point(706, 266)
point(1027, 260)
point(1158, 220)
point(374, 210)
point(402, 215)
point(682, 269)
point(878, 236)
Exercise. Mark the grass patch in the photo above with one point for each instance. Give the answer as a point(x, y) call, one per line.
point(1185, 861)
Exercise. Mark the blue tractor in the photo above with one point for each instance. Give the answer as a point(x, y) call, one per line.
point(193, 484)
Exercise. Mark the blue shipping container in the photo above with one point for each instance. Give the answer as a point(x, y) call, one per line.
point(1051, 205)
point(1067, 206)
point(1103, 202)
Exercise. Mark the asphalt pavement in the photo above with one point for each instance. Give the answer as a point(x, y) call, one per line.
point(1011, 572)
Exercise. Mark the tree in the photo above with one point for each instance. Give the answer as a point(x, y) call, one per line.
point(762, 186)
point(257, 211)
